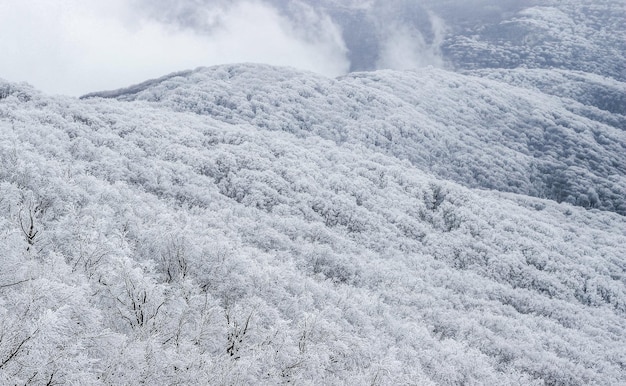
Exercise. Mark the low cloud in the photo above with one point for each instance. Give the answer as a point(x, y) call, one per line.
point(410, 36)
point(79, 46)
point(404, 48)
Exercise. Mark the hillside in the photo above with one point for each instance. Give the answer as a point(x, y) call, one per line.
point(490, 131)
point(249, 224)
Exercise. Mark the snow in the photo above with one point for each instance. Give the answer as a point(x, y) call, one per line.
point(250, 224)
point(184, 238)
point(476, 131)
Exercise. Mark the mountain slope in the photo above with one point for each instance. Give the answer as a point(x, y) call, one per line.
point(248, 224)
point(477, 131)
point(569, 35)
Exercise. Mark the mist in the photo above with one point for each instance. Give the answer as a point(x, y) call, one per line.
point(81, 46)
point(76, 47)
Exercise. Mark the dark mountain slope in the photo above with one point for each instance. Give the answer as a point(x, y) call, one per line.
point(590, 90)
point(569, 35)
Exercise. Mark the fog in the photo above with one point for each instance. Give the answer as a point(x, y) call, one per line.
point(78, 46)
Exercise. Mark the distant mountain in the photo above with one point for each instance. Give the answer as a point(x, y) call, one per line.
point(570, 35)
point(566, 34)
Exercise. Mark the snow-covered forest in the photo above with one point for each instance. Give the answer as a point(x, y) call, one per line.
point(249, 224)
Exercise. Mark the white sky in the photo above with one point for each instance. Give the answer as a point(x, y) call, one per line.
point(78, 46)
